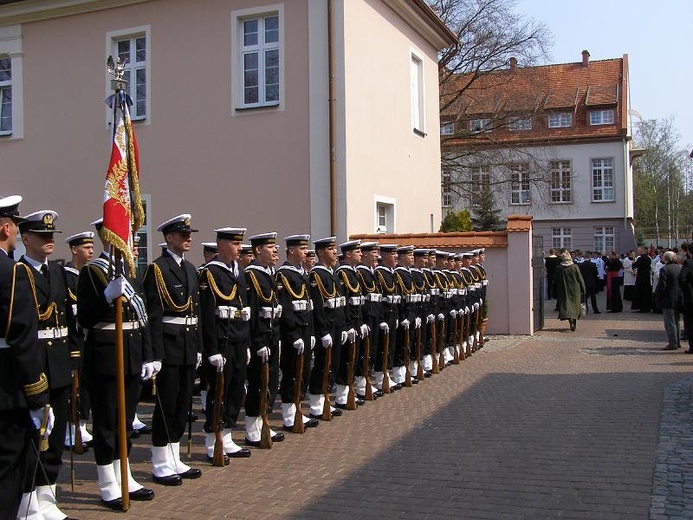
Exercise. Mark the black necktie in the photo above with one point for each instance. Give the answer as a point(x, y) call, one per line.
point(44, 270)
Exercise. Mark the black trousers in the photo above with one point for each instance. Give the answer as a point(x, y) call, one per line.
point(51, 459)
point(15, 438)
point(234, 385)
point(104, 399)
point(391, 339)
point(174, 386)
point(254, 373)
point(592, 294)
point(287, 364)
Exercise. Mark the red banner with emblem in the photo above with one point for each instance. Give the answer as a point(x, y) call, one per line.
point(122, 204)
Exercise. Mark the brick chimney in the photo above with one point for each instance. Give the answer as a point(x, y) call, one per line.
point(585, 58)
point(513, 64)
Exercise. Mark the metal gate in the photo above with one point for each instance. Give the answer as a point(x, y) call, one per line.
point(539, 276)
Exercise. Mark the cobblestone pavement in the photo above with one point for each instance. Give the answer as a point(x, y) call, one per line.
point(558, 425)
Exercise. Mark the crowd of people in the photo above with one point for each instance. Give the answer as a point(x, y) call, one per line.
point(653, 279)
point(323, 331)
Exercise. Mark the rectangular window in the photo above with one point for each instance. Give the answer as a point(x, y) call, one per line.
point(384, 215)
point(480, 125)
point(519, 124)
point(5, 96)
point(604, 240)
point(519, 183)
point(562, 238)
point(446, 191)
point(602, 180)
point(447, 128)
point(261, 59)
point(133, 53)
point(602, 117)
point(561, 182)
point(417, 95)
point(481, 183)
point(560, 120)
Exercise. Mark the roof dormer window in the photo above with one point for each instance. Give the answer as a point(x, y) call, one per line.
point(602, 117)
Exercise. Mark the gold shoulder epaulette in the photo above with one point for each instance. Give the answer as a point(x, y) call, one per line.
point(38, 387)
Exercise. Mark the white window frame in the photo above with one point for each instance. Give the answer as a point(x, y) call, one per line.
point(11, 48)
point(239, 50)
point(561, 182)
point(445, 189)
point(418, 106)
point(112, 39)
point(447, 128)
point(477, 126)
point(520, 194)
point(604, 239)
point(560, 120)
point(520, 124)
point(562, 238)
point(602, 117)
point(388, 205)
point(146, 247)
point(602, 173)
point(480, 176)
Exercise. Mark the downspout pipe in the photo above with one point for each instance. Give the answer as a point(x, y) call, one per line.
point(331, 116)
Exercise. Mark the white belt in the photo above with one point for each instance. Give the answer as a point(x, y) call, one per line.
point(453, 292)
point(299, 305)
point(53, 333)
point(426, 297)
point(484, 282)
point(127, 325)
point(180, 320)
point(3, 343)
point(271, 312)
point(392, 299)
point(434, 292)
point(463, 292)
point(355, 300)
point(447, 295)
point(374, 297)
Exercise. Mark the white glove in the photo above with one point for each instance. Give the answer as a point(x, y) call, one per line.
point(453, 314)
point(476, 306)
point(404, 324)
point(430, 318)
point(147, 371)
point(384, 327)
point(247, 356)
point(364, 330)
point(245, 313)
point(217, 360)
point(351, 335)
point(199, 360)
point(417, 323)
point(312, 342)
point(37, 417)
point(114, 289)
point(264, 354)
point(345, 337)
point(441, 316)
point(157, 367)
point(298, 345)
point(326, 341)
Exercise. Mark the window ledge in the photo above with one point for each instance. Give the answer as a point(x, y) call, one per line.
point(418, 132)
point(244, 108)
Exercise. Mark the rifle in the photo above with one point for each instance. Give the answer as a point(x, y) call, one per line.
point(190, 415)
point(351, 396)
point(407, 359)
point(298, 416)
point(326, 407)
point(77, 446)
point(460, 334)
point(456, 340)
point(219, 455)
point(266, 436)
point(434, 347)
point(441, 341)
point(367, 366)
point(419, 356)
point(386, 348)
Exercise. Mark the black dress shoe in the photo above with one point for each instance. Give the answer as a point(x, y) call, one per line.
point(336, 413)
point(226, 459)
point(311, 423)
point(360, 402)
point(192, 473)
point(192, 416)
point(316, 417)
point(254, 444)
point(243, 453)
point(397, 386)
point(170, 480)
point(229, 424)
point(341, 406)
point(135, 434)
point(596, 312)
point(116, 504)
point(278, 437)
point(378, 393)
point(414, 380)
point(145, 429)
point(142, 495)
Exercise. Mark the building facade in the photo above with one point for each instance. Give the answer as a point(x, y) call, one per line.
point(552, 142)
point(295, 116)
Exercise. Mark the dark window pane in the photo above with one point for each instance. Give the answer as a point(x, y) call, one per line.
point(141, 89)
point(250, 95)
point(141, 49)
point(5, 69)
point(272, 93)
point(271, 29)
point(124, 51)
point(250, 30)
point(6, 109)
point(250, 61)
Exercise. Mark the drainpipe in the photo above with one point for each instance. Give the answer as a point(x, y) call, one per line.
point(331, 116)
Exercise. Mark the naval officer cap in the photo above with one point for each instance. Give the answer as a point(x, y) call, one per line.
point(421, 252)
point(369, 246)
point(405, 250)
point(42, 221)
point(324, 243)
point(263, 239)
point(451, 256)
point(350, 245)
point(310, 253)
point(98, 224)
point(78, 239)
point(180, 224)
point(9, 207)
point(210, 247)
point(246, 249)
point(441, 254)
point(467, 255)
point(297, 240)
point(230, 233)
point(388, 248)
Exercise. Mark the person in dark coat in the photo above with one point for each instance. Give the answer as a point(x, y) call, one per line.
point(590, 275)
point(686, 285)
point(614, 280)
point(668, 297)
point(551, 262)
point(642, 298)
point(569, 288)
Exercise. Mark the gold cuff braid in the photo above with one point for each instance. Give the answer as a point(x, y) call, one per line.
point(38, 387)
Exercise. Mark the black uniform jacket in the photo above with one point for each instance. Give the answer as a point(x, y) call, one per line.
point(294, 298)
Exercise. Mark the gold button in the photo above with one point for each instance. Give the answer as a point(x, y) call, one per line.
point(50, 343)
